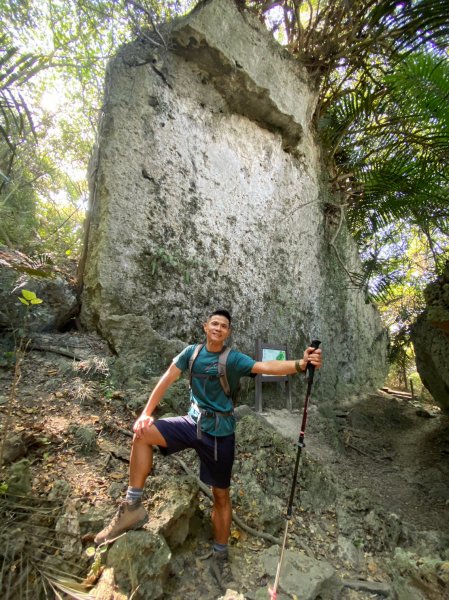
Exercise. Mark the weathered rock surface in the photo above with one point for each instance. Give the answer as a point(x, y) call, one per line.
point(140, 560)
point(430, 337)
point(174, 508)
point(302, 575)
point(206, 191)
point(59, 302)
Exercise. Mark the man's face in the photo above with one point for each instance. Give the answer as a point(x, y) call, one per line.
point(217, 329)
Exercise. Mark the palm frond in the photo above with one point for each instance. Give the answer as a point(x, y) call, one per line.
point(68, 586)
point(40, 266)
point(33, 555)
point(414, 23)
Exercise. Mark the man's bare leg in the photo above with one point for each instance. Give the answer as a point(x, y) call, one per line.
point(221, 514)
point(221, 523)
point(141, 461)
point(132, 513)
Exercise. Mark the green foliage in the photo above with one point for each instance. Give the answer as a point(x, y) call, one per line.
point(107, 388)
point(387, 136)
point(18, 168)
point(29, 298)
point(400, 161)
point(51, 87)
point(7, 358)
point(163, 261)
point(392, 142)
point(98, 555)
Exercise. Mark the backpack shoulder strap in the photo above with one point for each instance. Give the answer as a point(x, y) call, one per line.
point(193, 359)
point(222, 360)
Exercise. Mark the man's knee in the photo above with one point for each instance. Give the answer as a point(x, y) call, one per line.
point(221, 496)
point(151, 437)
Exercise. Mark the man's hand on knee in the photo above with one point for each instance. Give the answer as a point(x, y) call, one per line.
point(143, 423)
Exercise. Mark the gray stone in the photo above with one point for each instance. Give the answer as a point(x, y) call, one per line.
point(431, 346)
point(272, 93)
point(262, 511)
point(430, 337)
point(93, 519)
point(60, 489)
point(14, 447)
point(374, 587)
point(59, 302)
point(115, 490)
point(264, 593)
point(404, 590)
point(206, 191)
point(19, 479)
point(301, 575)
point(68, 529)
point(140, 560)
point(232, 595)
point(257, 474)
point(350, 552)
point(172, 509)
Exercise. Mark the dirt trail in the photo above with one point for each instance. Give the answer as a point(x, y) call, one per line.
point(387, 447)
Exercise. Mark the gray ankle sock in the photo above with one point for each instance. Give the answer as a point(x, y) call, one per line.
point(134, 494)
point(220, 547)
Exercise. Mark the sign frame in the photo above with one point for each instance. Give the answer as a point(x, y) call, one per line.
point(260, 379)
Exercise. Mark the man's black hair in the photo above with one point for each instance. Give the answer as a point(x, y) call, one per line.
point(223, 313)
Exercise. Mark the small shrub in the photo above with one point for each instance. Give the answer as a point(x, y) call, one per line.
point(96, 366)
point(82, 391)
point(86, 438)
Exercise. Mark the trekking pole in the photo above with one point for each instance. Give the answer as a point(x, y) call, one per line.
point(310, 373)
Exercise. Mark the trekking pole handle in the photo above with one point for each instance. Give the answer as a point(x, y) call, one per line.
point(311, 368)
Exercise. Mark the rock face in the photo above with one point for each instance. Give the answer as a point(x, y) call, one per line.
point(301, 572)
point(141, 563)
point(430, 336)
point(59, 303)
point(206, 192)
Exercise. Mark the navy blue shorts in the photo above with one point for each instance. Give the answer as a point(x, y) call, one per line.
point(180, 433)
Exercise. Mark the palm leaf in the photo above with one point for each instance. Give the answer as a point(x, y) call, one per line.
point(33, 554)
point(70, 587)
point(414, 23)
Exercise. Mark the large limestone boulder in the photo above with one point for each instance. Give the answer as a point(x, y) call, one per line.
point(430, 337)
point(206, 192)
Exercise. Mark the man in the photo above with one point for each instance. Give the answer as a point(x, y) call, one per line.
point(208, 427)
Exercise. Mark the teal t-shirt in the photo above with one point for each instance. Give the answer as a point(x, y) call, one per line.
point(208, 393)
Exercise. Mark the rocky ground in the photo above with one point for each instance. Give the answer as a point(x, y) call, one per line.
point(371, 518)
